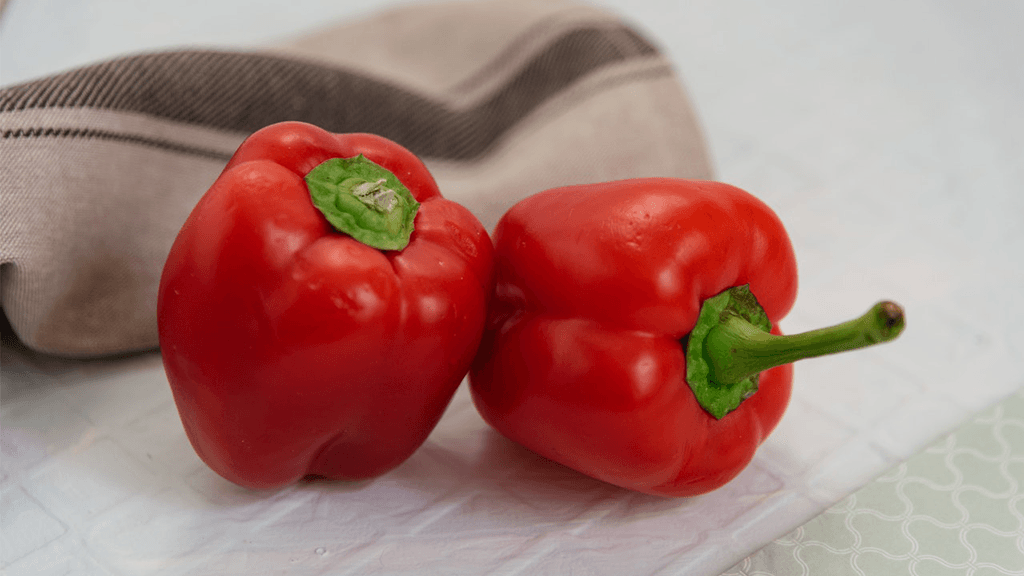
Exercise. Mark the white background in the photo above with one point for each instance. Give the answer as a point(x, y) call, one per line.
point(889, 137)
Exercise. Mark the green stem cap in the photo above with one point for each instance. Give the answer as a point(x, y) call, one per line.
point(731, 345)
point(364, 200)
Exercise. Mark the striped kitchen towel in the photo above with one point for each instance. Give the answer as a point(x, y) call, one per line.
point(101, 165)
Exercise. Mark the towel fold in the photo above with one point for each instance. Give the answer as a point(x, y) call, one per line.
point(102, 164)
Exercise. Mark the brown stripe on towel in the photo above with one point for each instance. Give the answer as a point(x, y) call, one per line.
point(88, 133)
point(244, 92)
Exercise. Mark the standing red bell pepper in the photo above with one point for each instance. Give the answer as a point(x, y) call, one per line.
point(319, 308)
point(629, 337)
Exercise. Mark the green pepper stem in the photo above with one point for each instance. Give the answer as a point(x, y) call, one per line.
point(363, 199)
point(736, 349)
point(375, 194)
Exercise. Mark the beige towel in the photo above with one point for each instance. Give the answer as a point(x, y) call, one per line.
point(100, 166)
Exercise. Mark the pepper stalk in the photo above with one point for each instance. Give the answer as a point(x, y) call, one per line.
point(364, 200)
point(732, 344)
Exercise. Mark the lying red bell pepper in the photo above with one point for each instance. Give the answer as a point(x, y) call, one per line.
point(631, 335)
point(319, 308)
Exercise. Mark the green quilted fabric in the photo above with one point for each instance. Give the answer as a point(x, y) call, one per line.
point(957, 508)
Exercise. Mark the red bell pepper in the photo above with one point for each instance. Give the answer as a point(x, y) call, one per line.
point(319, 308)
point(631, 335)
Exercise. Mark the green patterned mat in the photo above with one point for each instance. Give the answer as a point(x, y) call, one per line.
point(955, 508)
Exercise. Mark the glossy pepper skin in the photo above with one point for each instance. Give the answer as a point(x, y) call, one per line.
point(598, 286)
point(294, 350)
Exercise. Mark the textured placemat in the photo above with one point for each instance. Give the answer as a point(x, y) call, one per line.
point(955, 508)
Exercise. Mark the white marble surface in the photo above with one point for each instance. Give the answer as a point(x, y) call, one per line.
point(887, 135)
